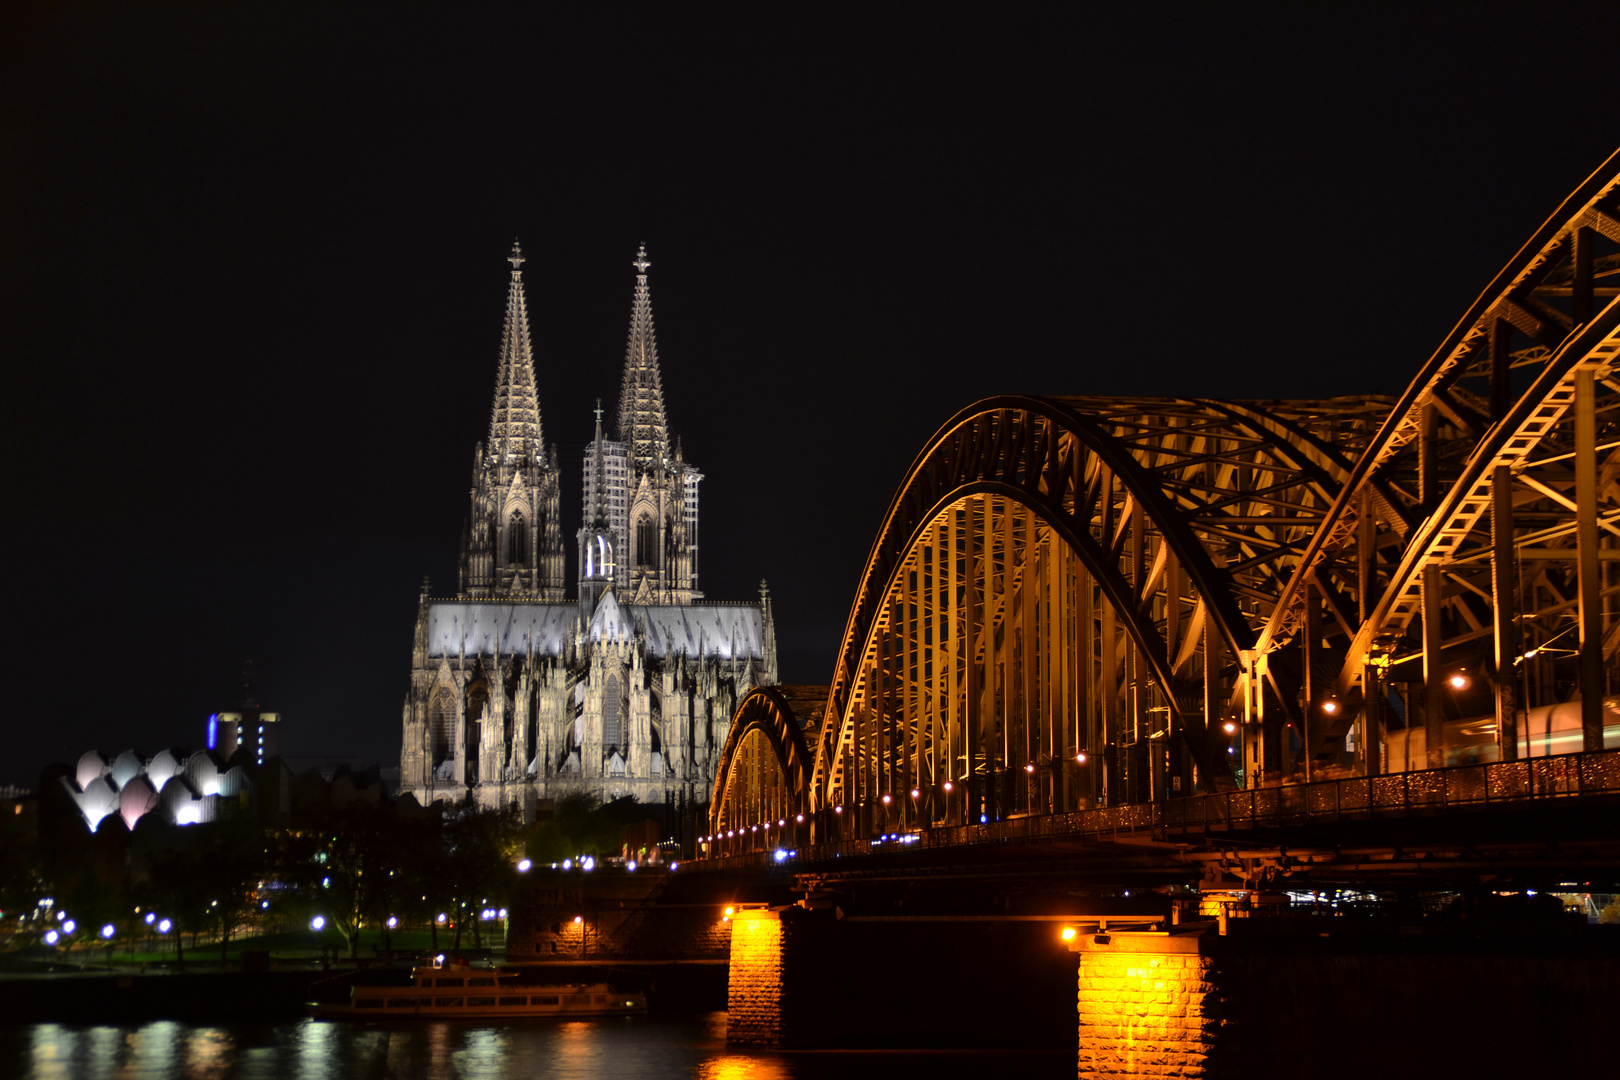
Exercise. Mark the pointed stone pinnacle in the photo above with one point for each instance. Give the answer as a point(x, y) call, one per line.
point(641, 264)
point(516, 258)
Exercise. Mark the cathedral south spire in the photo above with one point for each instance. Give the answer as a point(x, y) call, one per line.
point(643, 428)
point(513, 544)
point(514, 422)
point(651, 494)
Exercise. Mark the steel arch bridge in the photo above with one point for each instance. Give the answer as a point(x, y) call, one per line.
point(1082, 602)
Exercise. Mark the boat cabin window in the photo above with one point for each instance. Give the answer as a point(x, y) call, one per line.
point(447, 982)
point(480, 1002)
point(481, 982)
point(519, 1000)
point(446, 1002)
point(537, 1000)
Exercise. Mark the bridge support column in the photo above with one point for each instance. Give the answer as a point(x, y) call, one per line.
point(1149, 1004)
point(755, 989)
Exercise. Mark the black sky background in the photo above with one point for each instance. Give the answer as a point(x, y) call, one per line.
point(252, 278)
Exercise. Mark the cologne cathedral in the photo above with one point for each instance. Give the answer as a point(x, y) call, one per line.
point(519, 693)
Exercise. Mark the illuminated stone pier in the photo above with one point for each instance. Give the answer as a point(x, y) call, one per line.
point(1149, 1003)
point(754, 993)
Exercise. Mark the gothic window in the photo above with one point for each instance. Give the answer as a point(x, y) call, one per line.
point(612, 715)
point(442, 725)
point(517, 541)
point(646, 541)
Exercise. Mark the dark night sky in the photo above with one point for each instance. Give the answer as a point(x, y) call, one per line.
point(252, 277)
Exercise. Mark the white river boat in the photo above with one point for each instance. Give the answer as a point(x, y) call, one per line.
point(457, 991)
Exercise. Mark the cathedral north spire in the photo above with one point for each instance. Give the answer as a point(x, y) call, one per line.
point(642, 426)
point(515, 435)
point(513, 542)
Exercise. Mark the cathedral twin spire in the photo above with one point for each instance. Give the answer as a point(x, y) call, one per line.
point(514, 424)
point(643, 427)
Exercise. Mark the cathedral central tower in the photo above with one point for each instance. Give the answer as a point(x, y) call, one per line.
point(512, 545)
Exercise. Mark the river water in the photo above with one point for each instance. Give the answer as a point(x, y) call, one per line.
point(627, 1048)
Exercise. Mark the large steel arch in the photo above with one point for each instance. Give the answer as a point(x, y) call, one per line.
point(1502, 444)
point(1145, 539)
point(763, 774)
point(1058, 575)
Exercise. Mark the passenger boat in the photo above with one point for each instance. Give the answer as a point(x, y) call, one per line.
point(459, 991)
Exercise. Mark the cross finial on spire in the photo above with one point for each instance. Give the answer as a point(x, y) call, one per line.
point(598, 410)
point(641, 262)
point(516, 258)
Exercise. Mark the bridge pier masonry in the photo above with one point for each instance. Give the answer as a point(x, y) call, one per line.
point(1149, 1003)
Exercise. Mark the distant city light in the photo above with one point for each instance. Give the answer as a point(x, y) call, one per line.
point(164, 926)
point(440, 919)
point(631, 866)
point(523, 866)
point(109, 930)
point(1229, 727)
point(392, 922)
point(587, 863)
point(151, 917)
point(1068, 933)
point(318, 922)
point(568, 864)
point(69, 926)
point(51, 937)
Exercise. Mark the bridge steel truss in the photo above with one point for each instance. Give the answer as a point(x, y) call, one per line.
point(1084, 602)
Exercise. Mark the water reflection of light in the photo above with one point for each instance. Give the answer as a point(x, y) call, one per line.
point(101, 1046)
point(52, 1052)
point(742, 1067)
point(210, 1052)
point(482, 1056)
point(317, 1039)
point(153, 1048)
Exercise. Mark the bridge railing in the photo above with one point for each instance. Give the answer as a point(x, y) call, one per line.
point(1460, 788)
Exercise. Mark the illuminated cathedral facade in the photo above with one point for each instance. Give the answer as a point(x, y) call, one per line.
point(520, 693)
